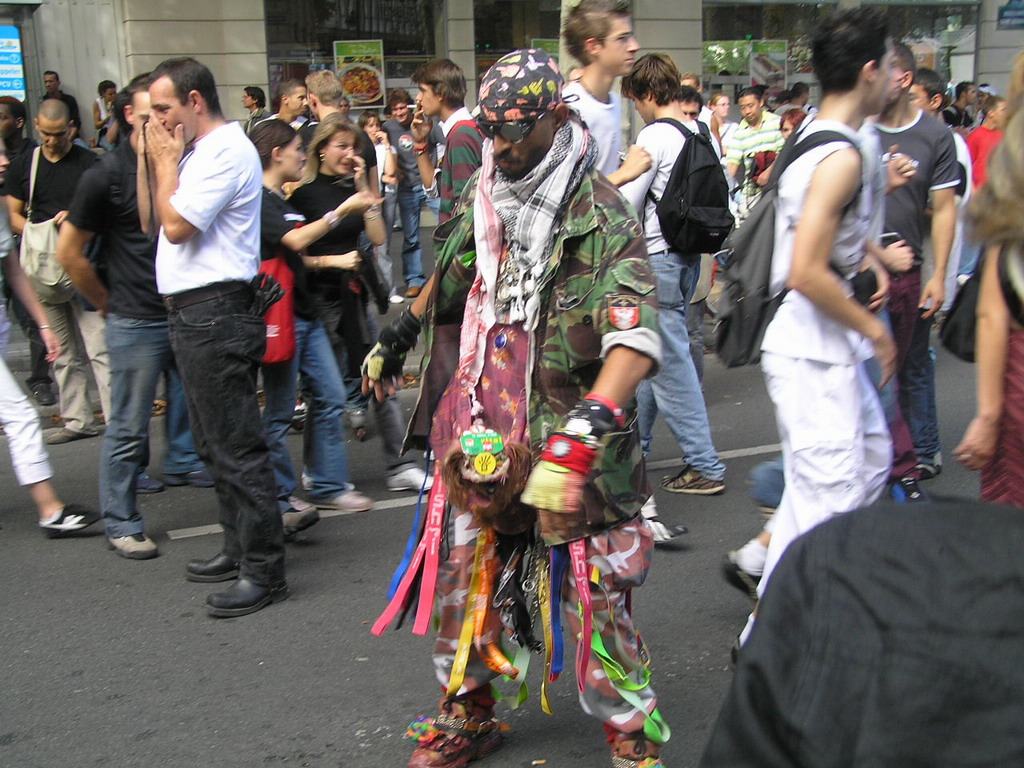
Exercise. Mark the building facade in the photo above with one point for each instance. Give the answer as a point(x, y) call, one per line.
point(262, 42)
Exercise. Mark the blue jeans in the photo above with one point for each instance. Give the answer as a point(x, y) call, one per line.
point(675, 390)
point(917, 393)
point(327, 459)
point(218, 345)
point(389, 414)
point(766, 482)
point(140, 353)
point(410, 200)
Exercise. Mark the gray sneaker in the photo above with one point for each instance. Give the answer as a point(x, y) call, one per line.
point(349, 501)
point(138, 546)
point(693, 482)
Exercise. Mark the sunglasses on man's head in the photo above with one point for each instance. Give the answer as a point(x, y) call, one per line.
point(514, 131)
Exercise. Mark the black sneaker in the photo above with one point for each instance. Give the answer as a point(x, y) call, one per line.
point(43, 393)
point(73, 517)
point(929, 470)
point(906, 489)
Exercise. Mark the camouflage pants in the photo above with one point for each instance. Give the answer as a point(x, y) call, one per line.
point(622, 557)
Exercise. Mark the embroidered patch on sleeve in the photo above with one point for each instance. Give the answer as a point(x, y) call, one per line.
point(623, 311)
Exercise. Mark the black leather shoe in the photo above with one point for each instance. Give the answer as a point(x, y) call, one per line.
point(218, 568)
point(244, 597)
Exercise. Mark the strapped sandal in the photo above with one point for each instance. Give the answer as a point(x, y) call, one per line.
point(634, 750)
point(463, 731)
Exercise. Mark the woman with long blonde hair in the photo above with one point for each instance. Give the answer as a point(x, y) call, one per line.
point(994, 441)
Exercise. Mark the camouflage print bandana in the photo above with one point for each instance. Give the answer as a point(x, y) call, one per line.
point(522, 84)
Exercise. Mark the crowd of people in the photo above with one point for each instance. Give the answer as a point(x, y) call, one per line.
point(560, 320)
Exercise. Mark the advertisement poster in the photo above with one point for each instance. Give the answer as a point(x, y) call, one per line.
point(768, 63)
point(12, 67)
point(359, 65)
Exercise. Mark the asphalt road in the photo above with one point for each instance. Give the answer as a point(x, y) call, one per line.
point(110, 662)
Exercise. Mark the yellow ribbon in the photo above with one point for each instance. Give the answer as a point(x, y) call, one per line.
point(544, 598)
point(466, 637)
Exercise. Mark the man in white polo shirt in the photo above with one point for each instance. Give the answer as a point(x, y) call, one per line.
point(207, 185)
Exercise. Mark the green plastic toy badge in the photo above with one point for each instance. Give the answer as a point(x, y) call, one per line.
point(478, 441)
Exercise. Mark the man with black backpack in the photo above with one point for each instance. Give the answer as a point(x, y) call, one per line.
point(674, 242)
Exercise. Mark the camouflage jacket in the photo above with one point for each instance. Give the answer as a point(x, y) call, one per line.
point(597, 291)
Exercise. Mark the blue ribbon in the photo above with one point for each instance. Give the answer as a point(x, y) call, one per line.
point(414, 535)
point(559, 565)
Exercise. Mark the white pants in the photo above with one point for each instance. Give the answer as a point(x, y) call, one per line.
point(21, 422)
point(835, 445)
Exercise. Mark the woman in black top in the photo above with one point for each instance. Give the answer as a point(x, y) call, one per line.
point(335, 172)
point(288, 234)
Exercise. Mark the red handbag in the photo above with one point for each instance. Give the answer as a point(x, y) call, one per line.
point(280, 318)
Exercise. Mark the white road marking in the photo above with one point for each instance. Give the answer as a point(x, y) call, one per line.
point(409, 501)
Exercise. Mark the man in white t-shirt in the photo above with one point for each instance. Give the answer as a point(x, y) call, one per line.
point(836, 445)
point(207, 186)
point(669, 110)
point(599, 33)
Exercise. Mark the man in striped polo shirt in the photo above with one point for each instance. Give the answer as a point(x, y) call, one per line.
point(753, 148)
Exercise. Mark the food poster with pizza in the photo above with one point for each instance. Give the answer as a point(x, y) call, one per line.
point(359, 65)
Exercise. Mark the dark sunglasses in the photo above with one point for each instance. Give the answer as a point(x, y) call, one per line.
point(514, 132)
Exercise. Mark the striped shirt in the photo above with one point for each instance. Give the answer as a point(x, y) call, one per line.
point(747, 142)
point(461, 159)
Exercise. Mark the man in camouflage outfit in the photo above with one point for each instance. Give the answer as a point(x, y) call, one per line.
point(540, 325)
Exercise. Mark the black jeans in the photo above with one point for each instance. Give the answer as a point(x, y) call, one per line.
point(218, 345)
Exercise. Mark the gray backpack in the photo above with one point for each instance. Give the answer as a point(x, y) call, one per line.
point(746, 306)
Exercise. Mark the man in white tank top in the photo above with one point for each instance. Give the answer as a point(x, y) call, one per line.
point(835, 440)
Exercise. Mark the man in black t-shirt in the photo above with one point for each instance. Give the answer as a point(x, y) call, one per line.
point(80, 331)
point(913, 300)
point(137, 331)
point(956, 115)
point(51, 82)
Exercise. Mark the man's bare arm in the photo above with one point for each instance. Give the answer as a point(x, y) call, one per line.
point(16, 208)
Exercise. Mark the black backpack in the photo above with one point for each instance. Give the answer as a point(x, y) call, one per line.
point(694, 208)
point(746, 306)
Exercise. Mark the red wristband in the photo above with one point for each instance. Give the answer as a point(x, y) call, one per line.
point(570, 453)
point(420, 147)
point(620, 417)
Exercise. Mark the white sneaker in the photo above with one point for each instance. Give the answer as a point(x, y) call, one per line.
point(306, 482)
point(410, 479)
point(649, 510)
point(662, 533)
point(394, 298)
point(349, 501)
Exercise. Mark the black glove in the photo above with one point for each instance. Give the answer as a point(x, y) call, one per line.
point(387, 357)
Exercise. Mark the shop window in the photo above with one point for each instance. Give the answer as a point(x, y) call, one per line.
point(506, 25)
point(301, 33)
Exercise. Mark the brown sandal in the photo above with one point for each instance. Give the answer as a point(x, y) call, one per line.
point(634, 750)
point(463, 731)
